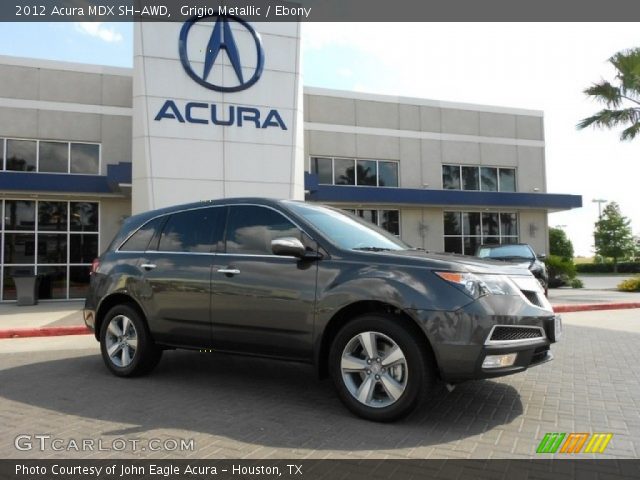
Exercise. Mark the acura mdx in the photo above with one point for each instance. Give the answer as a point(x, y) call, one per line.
point(298, 281)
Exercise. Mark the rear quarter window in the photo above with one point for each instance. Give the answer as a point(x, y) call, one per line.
point(139, 241)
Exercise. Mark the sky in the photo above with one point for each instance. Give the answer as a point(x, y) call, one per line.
point(540, 66)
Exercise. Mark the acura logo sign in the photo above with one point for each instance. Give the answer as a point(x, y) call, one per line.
point(222, 38)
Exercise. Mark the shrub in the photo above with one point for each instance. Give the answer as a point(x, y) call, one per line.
point(576, 283)
point(624, 267)
point(561, 271)
point(630, 285)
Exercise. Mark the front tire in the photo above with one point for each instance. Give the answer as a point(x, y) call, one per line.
point(126, 345)
point(379, 368)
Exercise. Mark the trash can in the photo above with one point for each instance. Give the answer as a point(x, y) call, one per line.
point(26, 289)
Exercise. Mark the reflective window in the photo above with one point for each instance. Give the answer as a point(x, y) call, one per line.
point(451, 177)
point(85, 158)
point(250, 229)
point(507, 180)
point(21, 155)
point(464, 232)
point(53, 282)
point(19, 215)
point(489, 179)
point(83, 248)
point(52, 248)
point(470, 180)
point(52, 216)
point(452, 223)
point(139, 241)
point(49, 156)
point(84, 217)
point(367, 173)
point(54, 157)
point(19, 248)
point(388, 220)
point(323, 168)
point(344, 172)
point(388, 174)
point(56, 240)
point(192, 230)
point(349, 171)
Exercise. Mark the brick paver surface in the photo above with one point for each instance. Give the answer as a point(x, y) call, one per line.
point(248, 408)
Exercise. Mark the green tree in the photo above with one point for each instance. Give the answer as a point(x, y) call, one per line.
point(620, 98)
point(613, 235)
point(559, 244)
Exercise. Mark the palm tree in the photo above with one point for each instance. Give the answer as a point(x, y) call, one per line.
point(621, 98)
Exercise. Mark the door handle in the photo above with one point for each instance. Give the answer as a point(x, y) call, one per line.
point(229, 271)
point(148, 266)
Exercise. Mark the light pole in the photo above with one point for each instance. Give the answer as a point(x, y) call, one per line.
point(599, 201)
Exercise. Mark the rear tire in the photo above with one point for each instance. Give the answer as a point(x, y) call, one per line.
point(380, 370)
point(126, 344)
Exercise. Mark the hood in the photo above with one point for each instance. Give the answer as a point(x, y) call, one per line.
point(455, 262)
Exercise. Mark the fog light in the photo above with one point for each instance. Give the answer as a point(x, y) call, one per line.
point(497, 361)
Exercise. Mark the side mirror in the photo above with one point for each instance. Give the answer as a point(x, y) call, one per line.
point(542, 256)
point(288, 246)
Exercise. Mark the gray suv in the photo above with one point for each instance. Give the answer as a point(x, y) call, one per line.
point(304, 282)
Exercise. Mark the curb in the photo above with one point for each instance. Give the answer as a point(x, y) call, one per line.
point(590, 307)
point(44, 332)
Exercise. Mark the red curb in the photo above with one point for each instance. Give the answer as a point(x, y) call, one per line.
point(44, 332)
point(594, 306)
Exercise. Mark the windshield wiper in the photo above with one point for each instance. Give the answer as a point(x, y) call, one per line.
point(372, 249)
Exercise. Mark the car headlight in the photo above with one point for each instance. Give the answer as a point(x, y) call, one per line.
point(477, 285)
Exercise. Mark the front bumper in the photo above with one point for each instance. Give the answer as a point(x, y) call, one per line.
point(463, 339)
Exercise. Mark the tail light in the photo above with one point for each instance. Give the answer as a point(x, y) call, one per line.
point(95, 265)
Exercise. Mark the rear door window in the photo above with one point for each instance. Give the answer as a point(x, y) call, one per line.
point(193, 231)
point(139, 241)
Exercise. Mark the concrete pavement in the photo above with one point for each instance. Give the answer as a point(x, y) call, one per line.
point(234, 407)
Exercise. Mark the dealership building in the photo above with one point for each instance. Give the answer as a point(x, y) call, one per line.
point(216, 108)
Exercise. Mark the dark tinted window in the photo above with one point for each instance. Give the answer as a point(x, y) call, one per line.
point(52, 216)
point(451, 177)
point(192, 230)
point(345, 172)
point(470, 179)
point(452, 223)
point(84, 217)
point(19, 215)
point(388, 174)
point(489, 179)
point(367, 173)
point(21, 155)
point(85, 158)
point(139, 241)
point(54, 157)
point(507, 180)
point(250, 229)
point(323, 168)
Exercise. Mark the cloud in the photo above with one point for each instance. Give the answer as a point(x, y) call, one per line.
point(98, 30)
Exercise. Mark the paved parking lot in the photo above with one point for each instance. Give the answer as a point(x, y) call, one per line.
point(246, 408)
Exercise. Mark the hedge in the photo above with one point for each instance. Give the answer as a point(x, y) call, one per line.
point(623, 267)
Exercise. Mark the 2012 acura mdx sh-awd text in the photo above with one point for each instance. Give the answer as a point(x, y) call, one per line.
point(304, 282)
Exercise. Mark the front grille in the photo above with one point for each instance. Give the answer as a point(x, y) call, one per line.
point(533, 297)
point(507, 334)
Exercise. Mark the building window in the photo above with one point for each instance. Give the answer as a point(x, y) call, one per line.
point(350, 171)
point(389, 220)
point(57, 240)
point(486, 179)
point(46, 156)
point(464, 232)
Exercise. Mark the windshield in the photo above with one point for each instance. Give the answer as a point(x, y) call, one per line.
point(346, 230)
point(506, 251)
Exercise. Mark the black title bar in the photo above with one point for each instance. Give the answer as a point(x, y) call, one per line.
point(321, 10)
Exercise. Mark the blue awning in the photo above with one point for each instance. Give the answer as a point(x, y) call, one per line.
point(428, 197)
